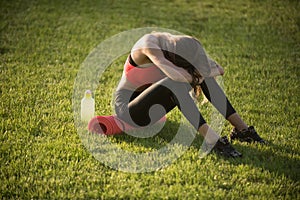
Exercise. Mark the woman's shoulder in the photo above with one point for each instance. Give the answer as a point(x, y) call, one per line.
point(146, 41)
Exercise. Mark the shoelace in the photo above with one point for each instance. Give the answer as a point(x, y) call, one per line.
point(247, 134)
point(226, 149)
point(224, 140)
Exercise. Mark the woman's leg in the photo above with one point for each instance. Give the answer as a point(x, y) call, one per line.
point(167, 94)
point(237, 122)
point(216, 96)
point(211, 137)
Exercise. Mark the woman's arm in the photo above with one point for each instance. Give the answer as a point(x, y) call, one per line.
point(151, 49)
point(167, 67)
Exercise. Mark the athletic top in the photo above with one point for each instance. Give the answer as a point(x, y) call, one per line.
point(141, 76)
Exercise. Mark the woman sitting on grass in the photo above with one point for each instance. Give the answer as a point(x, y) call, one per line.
point(161, 70)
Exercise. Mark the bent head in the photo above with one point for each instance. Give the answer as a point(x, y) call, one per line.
point(191, 50)
point(183, 51)
point(183, 55)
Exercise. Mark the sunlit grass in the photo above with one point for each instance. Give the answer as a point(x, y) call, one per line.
point(42, 46)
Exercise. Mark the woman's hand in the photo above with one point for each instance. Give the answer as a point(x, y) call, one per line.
point(216, 69)
point(221, 70)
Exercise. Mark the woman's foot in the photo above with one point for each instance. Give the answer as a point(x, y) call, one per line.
point(246, 135)
point(224, 148)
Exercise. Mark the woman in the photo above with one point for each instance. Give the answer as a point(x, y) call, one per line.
point(159, 74)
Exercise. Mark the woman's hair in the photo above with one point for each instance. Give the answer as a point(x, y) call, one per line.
point(183, 63)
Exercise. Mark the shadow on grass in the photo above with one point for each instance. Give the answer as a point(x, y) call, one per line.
point(279, 159)
point(270, 157)
point(157, 141)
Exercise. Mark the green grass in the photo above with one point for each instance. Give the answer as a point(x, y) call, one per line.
point(42, 46)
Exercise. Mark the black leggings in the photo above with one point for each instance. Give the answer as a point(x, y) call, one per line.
point(147, 107)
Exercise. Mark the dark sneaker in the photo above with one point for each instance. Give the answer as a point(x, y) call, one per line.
point(224, 148)
point(247, 135)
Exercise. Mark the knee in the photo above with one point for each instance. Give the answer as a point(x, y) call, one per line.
point(175, 85)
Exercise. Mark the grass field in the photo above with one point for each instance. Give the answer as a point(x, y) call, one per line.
point(43, 44)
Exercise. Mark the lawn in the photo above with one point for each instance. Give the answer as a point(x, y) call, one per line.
point(43, 44)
